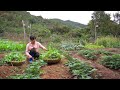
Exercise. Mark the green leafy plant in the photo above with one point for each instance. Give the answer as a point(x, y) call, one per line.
point(80, 69)
point(24, 76)
point(108, 41)
point(89, 54)
point(112, 62)
point(93, 46)
point(14, 56)
point(7, 45)
point(103, 52)
point(34, 68)
point(71, 46)
point(52, 53)
point(33, 71)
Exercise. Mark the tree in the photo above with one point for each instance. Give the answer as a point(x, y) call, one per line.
point(99, 25)
point(117, 17)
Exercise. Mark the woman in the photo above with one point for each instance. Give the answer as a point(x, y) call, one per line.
point(32, 49)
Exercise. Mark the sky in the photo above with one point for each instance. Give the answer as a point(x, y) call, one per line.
point(82, 17)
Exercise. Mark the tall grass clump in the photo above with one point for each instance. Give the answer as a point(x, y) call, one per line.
point(108, 41)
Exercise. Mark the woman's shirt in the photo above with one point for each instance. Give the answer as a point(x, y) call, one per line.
point(37, 45)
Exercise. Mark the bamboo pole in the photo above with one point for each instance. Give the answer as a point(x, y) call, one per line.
point(24, 31)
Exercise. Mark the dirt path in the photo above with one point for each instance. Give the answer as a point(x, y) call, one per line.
point(56, 71)
point(103, 72)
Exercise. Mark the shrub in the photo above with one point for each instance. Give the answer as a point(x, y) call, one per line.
point(112, 62)
point(108, 41)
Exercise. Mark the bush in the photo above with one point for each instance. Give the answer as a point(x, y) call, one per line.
point(55, 38)
point(112, 62)
point(108, 41)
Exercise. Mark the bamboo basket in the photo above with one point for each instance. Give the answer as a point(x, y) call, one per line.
point(16, 63)
point(52, 61)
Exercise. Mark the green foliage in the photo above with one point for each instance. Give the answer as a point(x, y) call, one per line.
point(60, 29)
point(55, 38)
point(40, 30)
point(14, 56)
point(80, 69)
point(75, 33)
point(103, 52)
point(108, 41)
point(105, 25)
point(24, 76)
point(34, 68)
point(89, 54)
point(33, 71)
point(93, 46)
point(71, 46)
point(52, 53)
point(7, 45)
point(112, 62)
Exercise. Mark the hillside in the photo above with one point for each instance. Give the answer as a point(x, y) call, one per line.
point(11, 26)
point(69, 23)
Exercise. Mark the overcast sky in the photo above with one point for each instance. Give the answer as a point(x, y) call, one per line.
point(76, 16)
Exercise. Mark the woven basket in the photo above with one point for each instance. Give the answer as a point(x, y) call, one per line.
point(52, 61)
point(16, 63)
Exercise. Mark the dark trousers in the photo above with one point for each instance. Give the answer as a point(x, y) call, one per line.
point(34, 54)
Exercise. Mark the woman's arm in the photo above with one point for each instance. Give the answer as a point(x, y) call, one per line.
point(27, 52)
point(41, 46)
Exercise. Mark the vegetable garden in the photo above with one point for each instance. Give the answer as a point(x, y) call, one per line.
point(69, 61)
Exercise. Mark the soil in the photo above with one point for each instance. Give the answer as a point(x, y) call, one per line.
point(6, 70)
point(102, 72)
point(56, 71)
point(1, 55)
point(60, 71)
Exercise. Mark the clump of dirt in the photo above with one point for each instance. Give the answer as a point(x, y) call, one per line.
point(56, 71)
point(1, 55)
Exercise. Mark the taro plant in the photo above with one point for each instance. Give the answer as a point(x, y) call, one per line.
point(80, 69)
point(103, 52)
point(89, 54)
point(112, 62)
